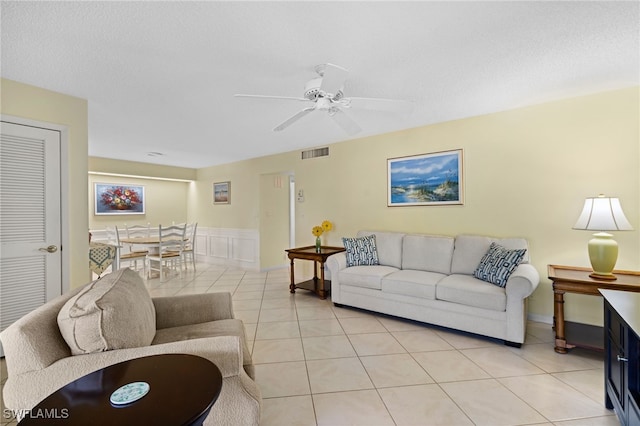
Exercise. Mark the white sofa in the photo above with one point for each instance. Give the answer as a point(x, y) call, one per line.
point(430, 279)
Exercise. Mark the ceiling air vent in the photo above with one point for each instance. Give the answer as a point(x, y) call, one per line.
point(313, 153)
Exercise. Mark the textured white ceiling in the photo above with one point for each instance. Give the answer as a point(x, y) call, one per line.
point(160, 76)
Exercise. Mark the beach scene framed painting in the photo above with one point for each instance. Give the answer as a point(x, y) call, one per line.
point(222, 193)
point(425, 180)
point(118, 199)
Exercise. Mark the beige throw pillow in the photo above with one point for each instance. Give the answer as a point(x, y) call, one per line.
point(113, 312)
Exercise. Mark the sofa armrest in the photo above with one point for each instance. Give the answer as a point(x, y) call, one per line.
point(24, 391)
point(522, 282)
point(190, 309)
point(336, 263)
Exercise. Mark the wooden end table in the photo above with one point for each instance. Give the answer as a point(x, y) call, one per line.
point(573, 279)
point(318, 285)
point(183, 388)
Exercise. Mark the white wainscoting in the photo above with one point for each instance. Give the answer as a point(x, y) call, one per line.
point(230, 247)
point(98, 235)
point(221, 246)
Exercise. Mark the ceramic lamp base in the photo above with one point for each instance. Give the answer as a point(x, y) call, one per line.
point(603, 254)
point(597, 276)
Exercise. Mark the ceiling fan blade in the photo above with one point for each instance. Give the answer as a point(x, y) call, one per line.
point(289, 121)
point(333, 79)
point(344, 121)
point(271, 97)
point(378, 104)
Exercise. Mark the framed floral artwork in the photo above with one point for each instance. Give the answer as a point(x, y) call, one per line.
point(222, 193)
point(119, 199)
point(426, 179)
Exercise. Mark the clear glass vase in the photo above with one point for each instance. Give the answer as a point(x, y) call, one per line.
point(318, 244)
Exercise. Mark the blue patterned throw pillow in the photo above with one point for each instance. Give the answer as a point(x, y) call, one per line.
point(498, 264)
point(361, 251)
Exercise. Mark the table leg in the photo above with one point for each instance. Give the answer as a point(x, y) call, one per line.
point(322, 292)
point(558, 321)
point(316, 288)
point(292, 286)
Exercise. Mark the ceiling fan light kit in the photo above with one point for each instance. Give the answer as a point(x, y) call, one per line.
point(326, 93)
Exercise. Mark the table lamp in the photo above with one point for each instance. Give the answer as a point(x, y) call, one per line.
point(602, 214)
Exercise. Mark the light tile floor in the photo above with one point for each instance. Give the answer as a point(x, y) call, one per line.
point(317, 364)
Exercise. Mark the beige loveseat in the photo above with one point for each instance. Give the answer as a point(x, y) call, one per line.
point(432, 278)
point(39, 357)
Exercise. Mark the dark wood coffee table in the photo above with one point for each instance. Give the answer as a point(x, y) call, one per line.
point(183, 388)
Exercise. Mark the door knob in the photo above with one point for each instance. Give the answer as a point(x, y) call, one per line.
point(50, 249)
point(622, 359)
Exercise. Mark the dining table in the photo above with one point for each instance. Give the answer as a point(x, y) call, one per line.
point(152, 243)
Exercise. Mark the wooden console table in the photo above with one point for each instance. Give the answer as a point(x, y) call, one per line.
point(573, 279)
point(318, 285)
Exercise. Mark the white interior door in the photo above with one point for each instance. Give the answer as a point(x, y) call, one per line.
point(30, 219)
point(274, 220)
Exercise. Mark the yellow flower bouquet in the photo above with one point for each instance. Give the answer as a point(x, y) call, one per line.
point(318, 230)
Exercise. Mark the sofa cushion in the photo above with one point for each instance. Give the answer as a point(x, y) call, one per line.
point(498, 264)
point(412, 283)
point(469, 250)
point(113, 312)
point(361, 250)
point(470, 291)
point(427, 253)
point(389, 245)
point(365, 276)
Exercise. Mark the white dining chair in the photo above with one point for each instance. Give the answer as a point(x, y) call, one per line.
point(170, 247)
point(189, 252)
point(124, 254)
point(135, 231)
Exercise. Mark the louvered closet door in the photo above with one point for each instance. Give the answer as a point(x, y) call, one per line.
point(29, 219)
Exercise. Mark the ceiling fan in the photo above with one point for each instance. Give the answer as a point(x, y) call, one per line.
point(325, 94)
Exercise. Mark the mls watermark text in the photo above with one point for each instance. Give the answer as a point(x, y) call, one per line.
point(39, 413)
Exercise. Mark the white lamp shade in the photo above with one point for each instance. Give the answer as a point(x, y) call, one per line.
point(602, 214)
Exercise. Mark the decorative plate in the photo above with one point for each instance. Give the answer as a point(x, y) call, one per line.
point(129, 393)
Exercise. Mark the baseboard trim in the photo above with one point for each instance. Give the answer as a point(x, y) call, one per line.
point(546, 319)
point(274, 268)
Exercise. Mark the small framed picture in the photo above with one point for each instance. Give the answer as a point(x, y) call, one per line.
point(222, 193)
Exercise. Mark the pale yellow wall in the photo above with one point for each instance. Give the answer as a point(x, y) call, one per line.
point(526, 171)
point(134, 168)
point(166, 202)
point(22, 100)
point(244, 210)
